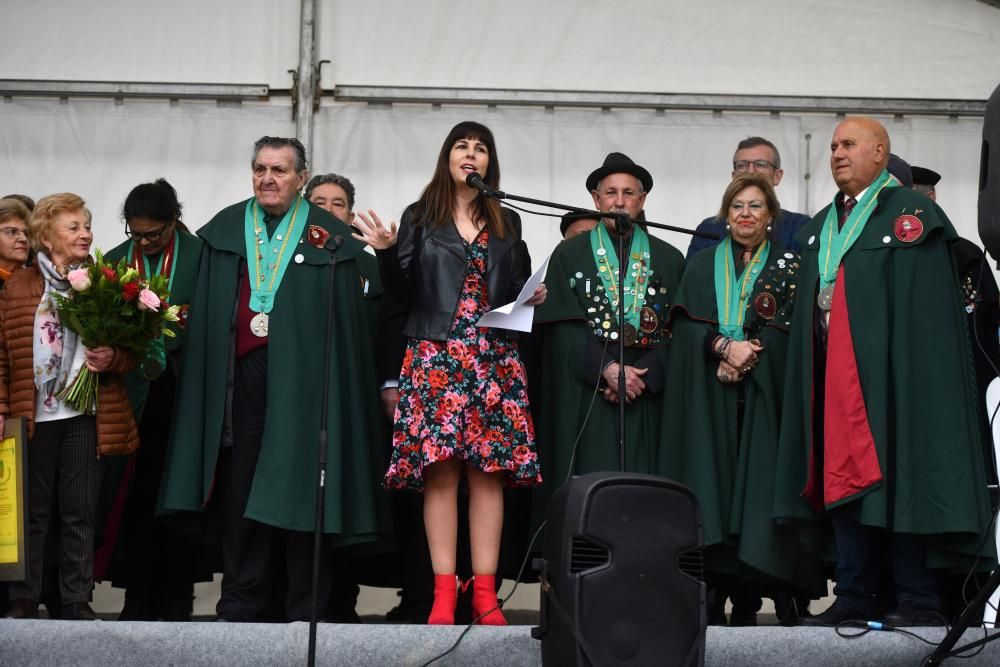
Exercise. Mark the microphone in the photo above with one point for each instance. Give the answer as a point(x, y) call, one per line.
point(474, 180)
point(333, 242)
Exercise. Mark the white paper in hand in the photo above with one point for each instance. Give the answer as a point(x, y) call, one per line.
point(516, 315)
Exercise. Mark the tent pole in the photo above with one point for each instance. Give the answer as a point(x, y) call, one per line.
point(305, 88)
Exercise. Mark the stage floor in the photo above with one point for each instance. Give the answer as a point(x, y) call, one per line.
point(47, 643)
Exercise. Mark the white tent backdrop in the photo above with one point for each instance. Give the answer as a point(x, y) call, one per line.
point(874, 48)
point(100, 148)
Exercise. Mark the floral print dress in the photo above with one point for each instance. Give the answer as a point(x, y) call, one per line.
point(464, 397)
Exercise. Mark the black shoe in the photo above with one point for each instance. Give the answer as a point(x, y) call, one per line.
point(343, 616)
point(837, 614)
point(135, 611)
point(408, 613)
point(910, 614)
point(790, 608)
point(21, 608)
point(715, 608)
point(742, 619)
point(79, 611)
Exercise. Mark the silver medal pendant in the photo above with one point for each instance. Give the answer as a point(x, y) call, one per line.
point(258, 325)
point(825, 298)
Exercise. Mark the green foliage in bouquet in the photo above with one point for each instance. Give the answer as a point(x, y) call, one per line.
point(111, 304)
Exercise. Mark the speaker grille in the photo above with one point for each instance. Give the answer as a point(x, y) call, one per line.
point(587, 555)
point(692, 563)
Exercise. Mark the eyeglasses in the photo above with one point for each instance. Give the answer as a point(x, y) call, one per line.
point(742, 166)
point(755, 207)
point(152, 237)
point(13, 232)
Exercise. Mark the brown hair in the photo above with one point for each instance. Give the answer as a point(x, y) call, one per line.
point(749, 180)
point(437, 202)
point(46, 211)
point(24, 199)
point(13, 208)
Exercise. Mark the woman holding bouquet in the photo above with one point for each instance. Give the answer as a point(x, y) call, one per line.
point(159, 553)
point(39, 358)
point(463, 404)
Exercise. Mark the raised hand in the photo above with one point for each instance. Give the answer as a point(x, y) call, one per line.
point(369, 229)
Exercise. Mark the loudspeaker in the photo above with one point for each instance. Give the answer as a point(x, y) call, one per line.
point(623, 556)
point(989, 178)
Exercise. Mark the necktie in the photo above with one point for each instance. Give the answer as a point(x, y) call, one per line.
point(845, 212)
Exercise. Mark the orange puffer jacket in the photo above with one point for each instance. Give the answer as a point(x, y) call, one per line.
point(19, 299)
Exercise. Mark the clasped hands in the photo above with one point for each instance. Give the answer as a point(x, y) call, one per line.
point(634, 384)
point(742, 356)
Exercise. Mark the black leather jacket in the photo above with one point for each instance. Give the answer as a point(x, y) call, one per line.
point(427, 266)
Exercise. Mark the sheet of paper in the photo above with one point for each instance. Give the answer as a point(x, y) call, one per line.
point(517, 315)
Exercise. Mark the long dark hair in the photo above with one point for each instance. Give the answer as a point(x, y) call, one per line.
point(154, 201)
point(437, 202)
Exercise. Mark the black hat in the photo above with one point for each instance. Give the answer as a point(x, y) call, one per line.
point(924, 176)
point(570, 218)
point(619, 163)
point(900, 168)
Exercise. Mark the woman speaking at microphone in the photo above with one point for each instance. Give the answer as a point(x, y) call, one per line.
point(463, 402)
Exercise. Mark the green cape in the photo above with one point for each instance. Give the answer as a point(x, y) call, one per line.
point(567, 390)
point(732, 473)
point(283, 491)
point(914, 375)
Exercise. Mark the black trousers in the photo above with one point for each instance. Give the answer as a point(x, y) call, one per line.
point(248, 570)
point(62, 457)
point(160, 558)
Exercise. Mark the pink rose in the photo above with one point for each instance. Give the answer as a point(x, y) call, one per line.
point(148, 300)
point(79, 279)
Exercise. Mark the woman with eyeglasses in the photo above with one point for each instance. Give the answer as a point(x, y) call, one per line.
point(39, 358)
point(14, 240)
point(729, 324)
point(159, 554)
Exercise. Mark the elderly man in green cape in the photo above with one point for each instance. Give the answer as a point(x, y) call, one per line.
point(879, 429)
point(580, 336)
point(246, 434)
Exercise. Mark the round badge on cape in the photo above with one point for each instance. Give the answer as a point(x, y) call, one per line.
point(648, 320)
point(908, 228)
point(765, 305)
point(317, 236)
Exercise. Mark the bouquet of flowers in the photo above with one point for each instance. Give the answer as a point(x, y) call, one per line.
point(111, 304)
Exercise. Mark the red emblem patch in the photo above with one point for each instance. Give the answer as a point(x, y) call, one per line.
point(765, 305)
point(182, 317)
point(317, 236)
point(908, 228)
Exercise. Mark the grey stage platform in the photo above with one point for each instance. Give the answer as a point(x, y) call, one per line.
point(30, 643)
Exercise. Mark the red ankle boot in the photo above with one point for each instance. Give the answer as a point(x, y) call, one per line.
point(484, 599)
point(445, 599)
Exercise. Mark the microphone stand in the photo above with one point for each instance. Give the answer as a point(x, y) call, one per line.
point(622, 224)
point(331, 246)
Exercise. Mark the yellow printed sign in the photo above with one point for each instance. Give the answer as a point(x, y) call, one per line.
point(9, 509)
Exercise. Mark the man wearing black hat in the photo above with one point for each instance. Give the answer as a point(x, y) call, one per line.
point(758, 155)
point(580, 349)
